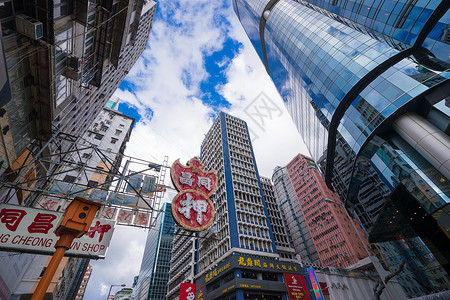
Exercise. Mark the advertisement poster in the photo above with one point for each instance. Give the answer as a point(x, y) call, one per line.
point(296, 286)
point(187, 291)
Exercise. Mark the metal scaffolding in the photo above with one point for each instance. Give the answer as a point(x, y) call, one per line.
point(49, 175)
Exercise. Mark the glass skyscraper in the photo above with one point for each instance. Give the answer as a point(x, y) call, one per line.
point(366, 84)
point(154, 273)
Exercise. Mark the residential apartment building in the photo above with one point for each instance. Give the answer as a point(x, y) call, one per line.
point(294, 219)
point(334, 237)
point(367, 84)
point(155, 266)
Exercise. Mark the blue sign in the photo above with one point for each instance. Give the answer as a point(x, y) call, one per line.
point(315, 284)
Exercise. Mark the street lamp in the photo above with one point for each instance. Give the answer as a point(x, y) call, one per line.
point(109, 293)
point(362, 242)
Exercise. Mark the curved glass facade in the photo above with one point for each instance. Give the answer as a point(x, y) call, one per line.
point(351, 69)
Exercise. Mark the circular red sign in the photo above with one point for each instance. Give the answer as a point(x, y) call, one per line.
point(193, 210)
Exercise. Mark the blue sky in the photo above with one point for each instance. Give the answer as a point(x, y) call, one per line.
point(198, 61)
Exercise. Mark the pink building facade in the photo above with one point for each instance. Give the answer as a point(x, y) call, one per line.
point(333, 234)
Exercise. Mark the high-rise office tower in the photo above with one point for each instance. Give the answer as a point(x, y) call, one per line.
point(239, 252)
point(367, 86)
point(294, 218)
point(336, 241)
point(154, 272)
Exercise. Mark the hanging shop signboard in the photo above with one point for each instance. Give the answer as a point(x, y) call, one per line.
point(314, 283)
point(31, 230)
point(296, 286)
point(191, 208)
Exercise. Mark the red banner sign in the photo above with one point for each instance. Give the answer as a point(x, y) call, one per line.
point(27, 229)
point(296, 285)
point(187, 291)
point(191, 208)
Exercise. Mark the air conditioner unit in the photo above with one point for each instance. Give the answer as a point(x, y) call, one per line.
point(73, 62)
point(72, 74)
point(28, 26)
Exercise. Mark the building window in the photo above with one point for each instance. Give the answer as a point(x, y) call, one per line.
point(118, 132)
point(113, 140)
point(98, 136)
point(104, 128)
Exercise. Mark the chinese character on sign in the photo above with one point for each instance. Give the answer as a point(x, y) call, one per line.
point(49, 204)
point(186, 178)
point(42, 223)
point(249, 262)
point(257, 263)
point(108, 213)
point(200, 207)
point(141, 219)
point(125, 216)
point(11, 217)
point(186, 206)
point(101, 229)
point(204, 181)
point(242, 261)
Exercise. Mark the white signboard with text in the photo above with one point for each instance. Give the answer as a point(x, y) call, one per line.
point(26, 229)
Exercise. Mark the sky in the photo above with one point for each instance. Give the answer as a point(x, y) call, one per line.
point(198, 61)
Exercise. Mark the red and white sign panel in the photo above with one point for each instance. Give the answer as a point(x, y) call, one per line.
point(27, 229)
point(193, 177)
point(296, 285)
point(187, 291)
point(191, 208)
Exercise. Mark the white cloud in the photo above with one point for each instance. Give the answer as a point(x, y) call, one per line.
point(122, 262)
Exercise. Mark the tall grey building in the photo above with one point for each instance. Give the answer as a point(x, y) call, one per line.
point(294, 218)
point(367, 84)
point(182, 263)
point(280, 234)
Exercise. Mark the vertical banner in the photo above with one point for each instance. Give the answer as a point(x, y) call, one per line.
point(187, 291)
point(296, 286)
point(315, 284)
